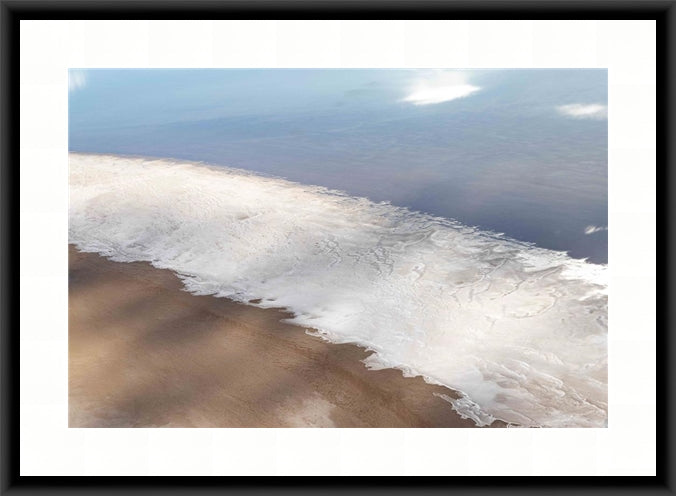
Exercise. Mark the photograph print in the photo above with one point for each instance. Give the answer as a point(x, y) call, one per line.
point(338, 248)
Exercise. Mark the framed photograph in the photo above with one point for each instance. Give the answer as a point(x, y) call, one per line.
point(395, 240)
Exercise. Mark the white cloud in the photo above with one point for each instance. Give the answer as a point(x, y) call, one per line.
point(584, 111)
point(438, 87)
point(594, 229)
point(76, 80)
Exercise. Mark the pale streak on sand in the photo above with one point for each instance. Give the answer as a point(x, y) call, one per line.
point(144, 353)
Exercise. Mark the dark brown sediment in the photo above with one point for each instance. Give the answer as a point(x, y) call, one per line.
point(145, 353)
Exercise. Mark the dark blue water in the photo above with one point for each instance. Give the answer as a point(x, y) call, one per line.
point(503, 158)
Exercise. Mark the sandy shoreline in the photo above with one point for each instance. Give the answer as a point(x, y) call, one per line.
point(144, 353)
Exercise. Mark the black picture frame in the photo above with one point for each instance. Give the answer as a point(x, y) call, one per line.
point(12, 12)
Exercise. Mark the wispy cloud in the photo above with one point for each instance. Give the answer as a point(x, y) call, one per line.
point(440, 86)
point(584, 111)
point(594, 229)
point(76, 80)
